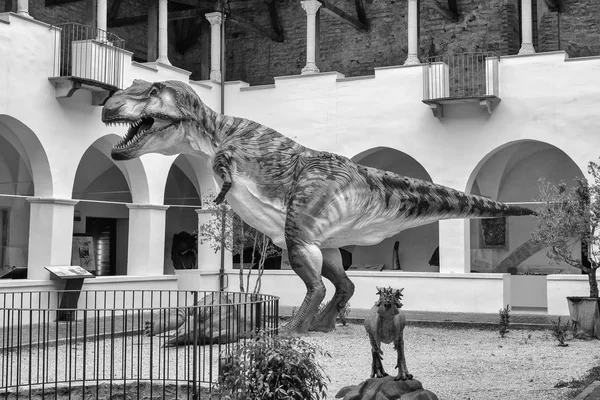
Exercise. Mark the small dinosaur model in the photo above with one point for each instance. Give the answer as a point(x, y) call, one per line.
point(218, 321)
point(385, 324)
point(307, 201)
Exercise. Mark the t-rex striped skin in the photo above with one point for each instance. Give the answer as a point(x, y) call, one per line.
point(310, 202)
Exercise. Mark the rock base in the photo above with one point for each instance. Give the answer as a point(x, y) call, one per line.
point(386, 389)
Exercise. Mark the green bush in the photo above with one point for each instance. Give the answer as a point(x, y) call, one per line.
point(504, 320)
point(273, 368)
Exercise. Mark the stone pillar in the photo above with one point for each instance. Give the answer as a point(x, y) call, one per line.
point(208, 260)
point(146, 247)
point(311, 7)
point(215, 19)
point(50, 235)
point(101, 19)
point(23, 8)
point(455, 246)
point(526, 29)
point(413, 33)
point(163, 33)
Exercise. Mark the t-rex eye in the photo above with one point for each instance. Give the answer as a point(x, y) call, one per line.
point(153, 91)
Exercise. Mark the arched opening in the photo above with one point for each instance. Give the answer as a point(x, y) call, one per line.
point(416, 246)
point(183, 194)
point(510, 174)
point(24, 172)
point(101, 220)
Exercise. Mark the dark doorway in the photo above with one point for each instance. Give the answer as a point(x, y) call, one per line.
point(104, 232)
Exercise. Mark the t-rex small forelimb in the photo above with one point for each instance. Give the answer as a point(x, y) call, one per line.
point(385, 324)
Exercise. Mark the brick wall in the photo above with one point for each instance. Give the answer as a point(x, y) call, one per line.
point(251, 57)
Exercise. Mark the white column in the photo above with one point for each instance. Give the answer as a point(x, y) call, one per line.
point(146, 246)
point(526, 29)
point(50, 235)
point(455, 246)
point(23, 8)
point(163, 42)
point(215, 19)
point(311, 7)
point(413, 33)
point(101, 15)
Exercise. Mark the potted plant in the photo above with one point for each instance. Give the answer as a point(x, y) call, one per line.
point(570, 217)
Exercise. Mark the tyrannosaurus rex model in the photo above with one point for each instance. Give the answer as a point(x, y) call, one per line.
point(307, 201)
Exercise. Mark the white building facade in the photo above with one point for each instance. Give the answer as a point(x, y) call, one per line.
point(537, 118)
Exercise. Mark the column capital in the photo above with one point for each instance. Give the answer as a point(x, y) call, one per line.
point(52, 200)
point(136, 206)
point(310, 6)
point(215, 18)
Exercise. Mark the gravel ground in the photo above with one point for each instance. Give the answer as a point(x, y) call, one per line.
point(455, 363)
point(465, 363)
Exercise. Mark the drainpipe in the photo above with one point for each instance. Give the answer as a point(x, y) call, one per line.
point(222, 285)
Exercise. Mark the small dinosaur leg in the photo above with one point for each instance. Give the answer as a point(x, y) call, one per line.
point(344, 289)
point(402, 369)
point(376, 365)
point(306, 261)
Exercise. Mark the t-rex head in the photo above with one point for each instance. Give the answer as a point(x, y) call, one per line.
point(163, 117)
point(389, 301)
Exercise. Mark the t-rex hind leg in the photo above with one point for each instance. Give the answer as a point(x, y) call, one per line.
point(306, 261)
point(333, 270)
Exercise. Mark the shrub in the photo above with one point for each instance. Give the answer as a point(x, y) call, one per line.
point(560, 332)
point(273, 368)
point(343, 314)
point(504, 320)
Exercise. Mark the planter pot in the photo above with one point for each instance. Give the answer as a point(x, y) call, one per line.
point(585, 315)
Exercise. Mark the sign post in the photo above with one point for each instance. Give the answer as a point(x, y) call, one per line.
point(74, 277)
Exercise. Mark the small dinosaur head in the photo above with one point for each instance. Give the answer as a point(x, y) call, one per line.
point(160, 116)
point(389, 301)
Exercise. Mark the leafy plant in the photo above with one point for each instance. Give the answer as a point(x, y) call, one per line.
point(343, 314)
point(570, 217)
point(504, 320)
point(273, 368)
point(226, 229)
point(560, 332)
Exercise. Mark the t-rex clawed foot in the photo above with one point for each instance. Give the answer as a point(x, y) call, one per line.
point(377, 366)
point(403, 376)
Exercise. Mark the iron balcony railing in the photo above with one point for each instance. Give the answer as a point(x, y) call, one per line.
point(460, 76)
point(101, 349)
point(88, 54)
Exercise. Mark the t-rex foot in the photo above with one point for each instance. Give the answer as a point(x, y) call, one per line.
point(325, 320)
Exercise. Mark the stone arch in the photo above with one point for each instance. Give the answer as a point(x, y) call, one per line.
point(24, 172)
point(416, 245)
point(510, 173)
point(31, 150)
point(188, 180)
point(103, 187)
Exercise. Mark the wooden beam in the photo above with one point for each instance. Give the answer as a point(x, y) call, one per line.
point(50, 3)
point(253, 26)
point(173, 16)
point(442, 9)
point(360, 11)
point(275, 24)
point(342, 15)
point(553, 5)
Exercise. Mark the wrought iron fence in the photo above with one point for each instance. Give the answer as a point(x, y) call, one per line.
point(461, 76)
point(88, 53)
point(120, 344)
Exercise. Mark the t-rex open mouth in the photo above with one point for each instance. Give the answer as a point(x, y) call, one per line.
point(138, 130)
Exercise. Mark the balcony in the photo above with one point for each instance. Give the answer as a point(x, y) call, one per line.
point(86, 58)
point(461, 78)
